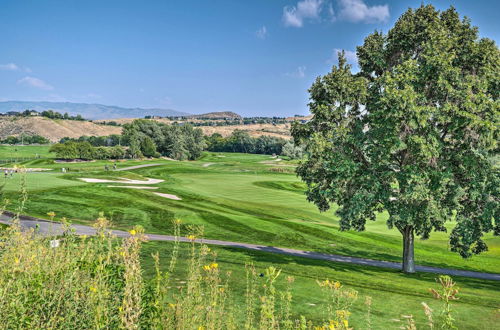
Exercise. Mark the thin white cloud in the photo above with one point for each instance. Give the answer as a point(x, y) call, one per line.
point(14, 67)
point(300, 72)
point(35, 82)
point(358, 11)
point(9, 67)
point(307, 9)
point(262, 32)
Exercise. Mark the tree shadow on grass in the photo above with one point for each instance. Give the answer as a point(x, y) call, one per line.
point(274, 256)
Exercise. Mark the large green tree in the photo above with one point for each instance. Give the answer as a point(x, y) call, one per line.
point(414, 132)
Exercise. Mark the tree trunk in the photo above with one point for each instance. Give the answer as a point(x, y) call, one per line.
point(408, 247)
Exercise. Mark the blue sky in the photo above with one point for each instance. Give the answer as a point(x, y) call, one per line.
point(254, 57)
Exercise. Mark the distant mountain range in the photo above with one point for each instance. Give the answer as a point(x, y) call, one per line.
point(87, 110)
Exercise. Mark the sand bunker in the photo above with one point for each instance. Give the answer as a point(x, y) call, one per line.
point(169, 196)
point(207, 164)
point(132, 187)
point(123, 180)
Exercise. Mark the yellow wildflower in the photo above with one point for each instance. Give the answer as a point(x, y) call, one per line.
point(51, 214)
point(171, 305)
point(333, 325)
point(191, 237)
point(133, 232)
point(343, 314)
point(206, 267)
point(214, 265)
point(93, 289)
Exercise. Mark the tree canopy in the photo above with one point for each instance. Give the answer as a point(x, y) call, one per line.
point(414, 132)
point(150, 138)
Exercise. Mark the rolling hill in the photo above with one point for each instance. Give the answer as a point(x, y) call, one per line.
point(217, 115)
point(53, 129)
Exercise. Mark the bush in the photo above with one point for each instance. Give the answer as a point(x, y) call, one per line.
point(84, 150)
point(292, 151)
point(25, 139)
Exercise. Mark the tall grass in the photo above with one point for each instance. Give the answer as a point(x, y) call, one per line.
point(97, 283)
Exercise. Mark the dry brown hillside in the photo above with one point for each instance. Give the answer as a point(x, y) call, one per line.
point(220, 114)
point(53, 130)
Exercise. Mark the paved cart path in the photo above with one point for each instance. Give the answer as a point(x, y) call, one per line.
point(54, 228)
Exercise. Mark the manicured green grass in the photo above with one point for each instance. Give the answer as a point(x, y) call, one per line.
point(393, 294)
point(236, 198)
point(246, 198)
point(30, 151)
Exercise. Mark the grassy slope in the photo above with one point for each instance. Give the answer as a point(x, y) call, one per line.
point(24, 151)
point(237, 198)
point(393, 293)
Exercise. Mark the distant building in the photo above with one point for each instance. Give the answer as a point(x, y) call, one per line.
point(34, 113)
point(13, 113)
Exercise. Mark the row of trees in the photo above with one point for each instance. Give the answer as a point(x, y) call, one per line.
point(151, 139)
point(244, 121)
point(25, 139)
point(57, 115)
point(84, 150)
point(241, 141)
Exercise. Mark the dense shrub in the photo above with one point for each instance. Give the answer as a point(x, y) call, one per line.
point(292, 151)
point(84, 150)
point(97, 141)
point(241, 141)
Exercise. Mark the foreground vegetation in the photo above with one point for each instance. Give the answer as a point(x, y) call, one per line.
point(102, 282)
